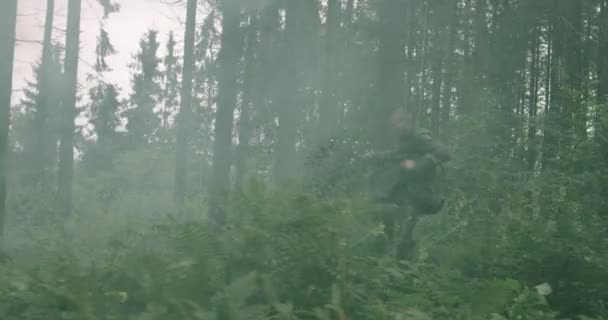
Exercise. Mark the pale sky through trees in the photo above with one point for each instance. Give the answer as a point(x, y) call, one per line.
point(125, 29)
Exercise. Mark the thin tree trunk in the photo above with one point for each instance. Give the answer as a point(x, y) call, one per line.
point(8, 18)
point(44, 94)
point(480, 51)
point(518, 143)
point(167, 92)
point(533, 106)
point(587, 52)
point(247, 103)
point(420, 105)
point(602, 92)
point(391, 78)
point(551, 138)
point(573, 66)
point(467, 72)
point(185, 107)
point(602, 54)
point(66, 150)
point(266, 77)
point(226, 99)
point(288, 109)
point(410, 56)
point(449, 64)
point(329, 104)
point(348, 14)
point(548, 70)
point(437, 69)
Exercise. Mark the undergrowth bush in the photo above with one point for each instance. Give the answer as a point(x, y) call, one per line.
point(509, 244)
point(281, 255)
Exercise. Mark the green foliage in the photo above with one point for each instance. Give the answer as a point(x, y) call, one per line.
point(526, 209)
point(284, 254)
point(146, 90)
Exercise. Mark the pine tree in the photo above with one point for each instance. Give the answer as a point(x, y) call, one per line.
point(204, 79)
point(103, 110)
point(27, 128)
point(104, 117)
point(69, 99)
point(48, 102)
point(146, 91)
point(171, 86)
point(103, 49)
point(109, 6)
point(204, 85)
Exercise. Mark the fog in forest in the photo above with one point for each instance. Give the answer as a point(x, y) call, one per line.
point(304, 159)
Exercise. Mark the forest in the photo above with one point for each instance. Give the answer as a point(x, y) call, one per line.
point(230, 178)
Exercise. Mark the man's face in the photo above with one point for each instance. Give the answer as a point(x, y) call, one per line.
point(401, 122)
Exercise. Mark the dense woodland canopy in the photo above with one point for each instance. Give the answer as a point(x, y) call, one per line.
point(228, 182)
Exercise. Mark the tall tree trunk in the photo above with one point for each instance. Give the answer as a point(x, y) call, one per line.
point(329, 104)
point(551, 140)
point(436, 90)
point(573, 66)
point(466, 83)
point(287, 113)
point(411, 55)
point(228, 60)
point(475, 55)
point(44, 94)
point(547, 68)
point(533, 102)
point(480, 51)
point(301, 20)
point(439, 48)
point(602, 93)
point(185, 106)
point(602, 54)
point(8, 18)
point(66, 149)
point(267, 79)
point(348, 14)
point(587, 49)
point(391, 63)
point(422, 51)
point(245, 128)
point(449, 63)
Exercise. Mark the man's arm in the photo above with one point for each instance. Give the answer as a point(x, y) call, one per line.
point(434, 153)
point(439, 152)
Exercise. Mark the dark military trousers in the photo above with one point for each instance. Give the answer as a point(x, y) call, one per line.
point(421, 199)
point(419, 195)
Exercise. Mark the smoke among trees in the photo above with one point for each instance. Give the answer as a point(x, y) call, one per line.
point(228, 178)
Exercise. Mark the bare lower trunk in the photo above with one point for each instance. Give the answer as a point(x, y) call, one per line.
point(248, 92)
point(226, 100)
point(66, 151)
point(391, 76)
point(329, 103)
point(602, 55)
point(8, 17)
point(449, 64)
point(185, 107)
point(44, 94)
